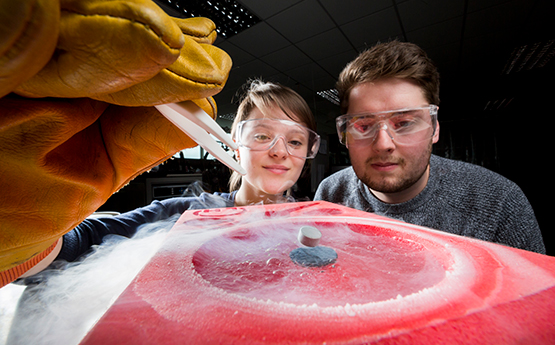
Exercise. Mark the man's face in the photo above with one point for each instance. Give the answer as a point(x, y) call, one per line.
point(382, 164)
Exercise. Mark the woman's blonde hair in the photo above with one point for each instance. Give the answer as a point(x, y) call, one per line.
point(266, 95)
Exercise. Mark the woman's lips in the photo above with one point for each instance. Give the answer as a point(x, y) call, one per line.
point(277, 169)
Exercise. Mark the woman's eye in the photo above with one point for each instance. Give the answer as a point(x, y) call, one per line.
point(295, 143)
point(261, 137)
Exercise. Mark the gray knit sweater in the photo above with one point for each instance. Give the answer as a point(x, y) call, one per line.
point(460, 198)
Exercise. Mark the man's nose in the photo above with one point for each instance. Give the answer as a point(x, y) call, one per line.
point(383, 142)
point(279, 149)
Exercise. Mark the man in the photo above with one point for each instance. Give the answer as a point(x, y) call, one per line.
point(390, 94)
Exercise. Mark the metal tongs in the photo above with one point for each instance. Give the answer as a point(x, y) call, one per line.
point(197, 124)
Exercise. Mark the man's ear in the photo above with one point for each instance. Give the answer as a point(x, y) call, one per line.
point(435, 138)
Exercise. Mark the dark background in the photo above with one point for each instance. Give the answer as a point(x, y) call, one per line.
point(494, 57)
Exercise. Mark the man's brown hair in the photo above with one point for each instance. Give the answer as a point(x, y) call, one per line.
point(393, 59)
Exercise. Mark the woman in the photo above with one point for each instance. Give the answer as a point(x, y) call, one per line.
point(275, 131)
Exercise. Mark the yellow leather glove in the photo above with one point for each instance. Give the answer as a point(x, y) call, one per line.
point(28, 35)
point(152, 57)
point(84, 125)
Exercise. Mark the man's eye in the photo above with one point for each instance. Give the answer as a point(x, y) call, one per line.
point(404, 124)
point(361, 127)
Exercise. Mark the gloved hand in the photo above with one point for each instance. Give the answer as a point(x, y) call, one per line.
point(83, 125)
point(152, 58)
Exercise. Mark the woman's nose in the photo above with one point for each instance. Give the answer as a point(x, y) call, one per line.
point(279, 149)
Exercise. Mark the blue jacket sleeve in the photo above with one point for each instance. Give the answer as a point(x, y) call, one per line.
point(93, 230)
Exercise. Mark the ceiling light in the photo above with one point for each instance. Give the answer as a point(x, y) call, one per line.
point(228, 116)
point(331, 95)
point(498, 104)
point(530, 56)
point(229, 16)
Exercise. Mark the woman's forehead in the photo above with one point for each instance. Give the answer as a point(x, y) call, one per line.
point(273, 113)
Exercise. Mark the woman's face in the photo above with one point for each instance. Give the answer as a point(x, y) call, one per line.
point(273, 171)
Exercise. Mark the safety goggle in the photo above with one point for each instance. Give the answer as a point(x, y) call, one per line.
point(404, 126)
point(263, 134)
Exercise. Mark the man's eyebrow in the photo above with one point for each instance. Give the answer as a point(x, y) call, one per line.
point(406, 111)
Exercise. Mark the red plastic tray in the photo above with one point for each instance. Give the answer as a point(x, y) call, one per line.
point(223, 276)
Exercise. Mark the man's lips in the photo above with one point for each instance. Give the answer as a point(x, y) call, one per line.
point(384, 166)
point(276, 169)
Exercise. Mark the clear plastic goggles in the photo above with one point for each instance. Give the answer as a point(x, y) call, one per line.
point(263, 134)
point(404, 126)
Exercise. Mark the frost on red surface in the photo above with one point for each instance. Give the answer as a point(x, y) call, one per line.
point(224, 276)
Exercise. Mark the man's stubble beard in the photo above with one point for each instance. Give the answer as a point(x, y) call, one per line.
point(398, 183)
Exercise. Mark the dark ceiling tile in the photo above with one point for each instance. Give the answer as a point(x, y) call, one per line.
point(267, 9)
point(287, 58)
point(416, 14)
point(326, 44)
point(478, 5)
point(304, 20)
point(345, 11)
point(365, 32)
point(313, 77)
point(254, 69)
point(335, 64)
point(438, 34)
point(446, 57)
point(238, 55)
point(259, 40)
point(501, 18)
